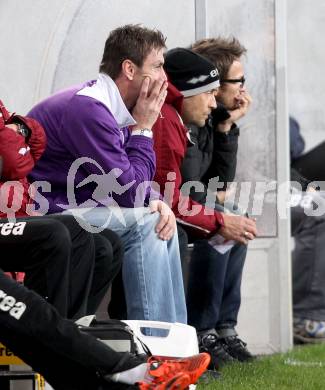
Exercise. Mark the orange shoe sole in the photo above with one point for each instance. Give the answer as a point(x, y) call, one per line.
point(180, 381)
point(190, 369)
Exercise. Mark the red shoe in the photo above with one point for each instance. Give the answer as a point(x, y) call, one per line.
point(175, 374)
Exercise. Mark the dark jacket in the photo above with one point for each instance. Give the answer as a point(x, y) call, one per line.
point(211, 154)
point(297, 143)
point(297, 146)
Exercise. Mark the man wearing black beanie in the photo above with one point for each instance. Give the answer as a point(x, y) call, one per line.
point(193, 83)
point(190, 73)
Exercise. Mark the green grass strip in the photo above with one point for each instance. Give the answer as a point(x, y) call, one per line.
point(302, 368)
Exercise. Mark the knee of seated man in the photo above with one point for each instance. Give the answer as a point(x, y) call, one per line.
point(145, 227)
point(74, 227)
point(113, 238)
point(115, 248)
point(150, 223)
point(103, 250)
point(58, 235)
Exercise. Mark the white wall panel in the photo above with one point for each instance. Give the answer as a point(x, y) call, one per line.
point(30, 32)
point(265, 315)
point(83, 46)
point(306, 62)
point(252, 22)
point(50, 45)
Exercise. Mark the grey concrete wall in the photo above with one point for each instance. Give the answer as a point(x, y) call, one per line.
point(263, 156)
point(50, 45)
point(306, 60)
point(257, 150)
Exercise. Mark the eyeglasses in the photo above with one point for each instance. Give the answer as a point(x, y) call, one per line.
point(233, 81)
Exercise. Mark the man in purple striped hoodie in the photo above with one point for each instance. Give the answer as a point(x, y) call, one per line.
point(100, 161)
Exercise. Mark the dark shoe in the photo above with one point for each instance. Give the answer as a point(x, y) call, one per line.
point(210, 376)
point(210, 342)
point(234, 345)
point(308, 331)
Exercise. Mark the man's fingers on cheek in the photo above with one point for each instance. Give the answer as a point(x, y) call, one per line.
point(162, 93)
point(155, 91)
point(144, 87)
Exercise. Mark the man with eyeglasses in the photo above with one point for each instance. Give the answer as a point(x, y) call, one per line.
point(213, 296)
point(233, 103)
point(213, 310)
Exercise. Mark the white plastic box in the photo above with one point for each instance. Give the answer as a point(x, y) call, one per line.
point(181, 340)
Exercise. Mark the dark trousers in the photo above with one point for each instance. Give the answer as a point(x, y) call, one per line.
point(308, 265)
point(214, 286)
point(62, 262)
point(53, 346)
point(109, 253)
point(310, 164)
point(184, 253)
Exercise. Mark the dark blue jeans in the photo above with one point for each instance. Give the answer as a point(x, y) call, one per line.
point(213, 297)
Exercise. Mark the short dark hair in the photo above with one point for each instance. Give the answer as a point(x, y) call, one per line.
point(133, 42)
point(222, 52)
